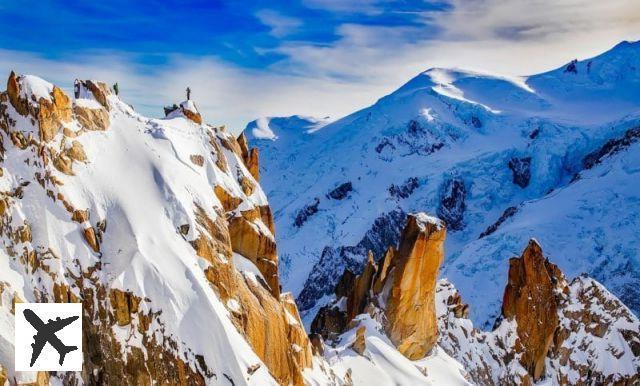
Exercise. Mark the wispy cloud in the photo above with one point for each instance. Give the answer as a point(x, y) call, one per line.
point(281, 25)
point(334, 63)
point(371, 7)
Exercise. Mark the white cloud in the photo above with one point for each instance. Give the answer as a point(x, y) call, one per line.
point(516, 38)
point(368, 7)
point(223, 93)
point(281, 25)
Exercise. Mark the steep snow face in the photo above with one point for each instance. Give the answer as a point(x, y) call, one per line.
point(381, 364)
point(142, 189)
point(492, 156)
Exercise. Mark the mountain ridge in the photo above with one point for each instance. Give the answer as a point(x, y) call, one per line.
point(378, 149)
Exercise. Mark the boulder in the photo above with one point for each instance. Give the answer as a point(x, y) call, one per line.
point(92, 119)
point(100, 91)
point(359, 345)
point(52, 115)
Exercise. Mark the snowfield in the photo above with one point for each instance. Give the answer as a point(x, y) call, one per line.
point(140, 180)
point(552, 156)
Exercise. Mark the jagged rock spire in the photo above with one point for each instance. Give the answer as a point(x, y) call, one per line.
point(410, 312)
point(530, 298)
point(403, 286)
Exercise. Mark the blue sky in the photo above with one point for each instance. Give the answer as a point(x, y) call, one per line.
point(245, 59)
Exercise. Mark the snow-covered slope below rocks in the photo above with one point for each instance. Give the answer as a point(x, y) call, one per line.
point(157, 227)
point(494, 157)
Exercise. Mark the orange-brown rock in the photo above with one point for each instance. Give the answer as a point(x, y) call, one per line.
point(90, 235)
point(104, 363)
point(530, 299)
point(100, 91)
point(229, 202)
point(359, 345)
point(247, 185)
point(270, 323)
point(197, 159)
point(92, 119)
point(124, 304)
point(63, 163)
point(4, 376)
point(250, 157)
point(360, 294)
point(457, 307)
point(76, 152)
point(410, 312)
point(267, 218)
point(253, 163)
point(13, 89)
point(82, 218)
point(192, 115)
point(52, 115)
point(244, 145)
point(248, 240)
point(384, 270)
point(42, 379)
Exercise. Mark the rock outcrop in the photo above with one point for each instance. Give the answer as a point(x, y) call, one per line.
point(186, 109)
point(401, 287)
point(250, 156)
point(410, 306)
point(531, 299)
point(549, 331)
point(216, 231)
point(521, 170)
point(94, 118)
point(453, 203)
point(50, 108)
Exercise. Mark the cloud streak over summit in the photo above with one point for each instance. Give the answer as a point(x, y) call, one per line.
point(313, 57)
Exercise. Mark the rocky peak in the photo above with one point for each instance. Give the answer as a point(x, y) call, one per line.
point(549, 330)
point(531, 299)
point(360, 293)
point(186, 109)
point(45, 103)
point(250, 156)
point(410, 304)
point(214, 253)
point(402, 288)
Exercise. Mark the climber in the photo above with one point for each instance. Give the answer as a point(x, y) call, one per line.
point(76, 88)
point(188, 93)
point(115, 88)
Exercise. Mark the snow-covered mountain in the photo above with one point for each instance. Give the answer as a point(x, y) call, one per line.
point(160, 229)
point(553, 156)
point(157, 227)
point(550, 331)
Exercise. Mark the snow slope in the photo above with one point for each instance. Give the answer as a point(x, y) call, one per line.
point(382, 364)
point(468, 147)
point(139, 179)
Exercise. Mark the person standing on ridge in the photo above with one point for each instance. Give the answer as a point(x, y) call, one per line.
point(116, 89)
point(188, 93)
point(76, 88)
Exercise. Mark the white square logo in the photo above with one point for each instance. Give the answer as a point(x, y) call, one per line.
point(48, 337)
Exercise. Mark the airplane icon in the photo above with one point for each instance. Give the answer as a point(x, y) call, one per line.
point(47, 334)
